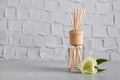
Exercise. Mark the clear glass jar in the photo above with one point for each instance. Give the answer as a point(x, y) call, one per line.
point(75, 57)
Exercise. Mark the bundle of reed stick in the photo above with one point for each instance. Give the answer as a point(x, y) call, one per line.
point(76, 22)
point(78, 19)
point(75, 58)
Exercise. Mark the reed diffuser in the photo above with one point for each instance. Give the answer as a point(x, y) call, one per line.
point(76, 39)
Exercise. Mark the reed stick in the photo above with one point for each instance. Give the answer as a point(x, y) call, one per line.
point(80, 58)
point(77, 23)
point(80, 18)
point(70, 60)
point(81, 22)
point(75, 18)
point(69, 11)
point(73, 59)
point(76, 56)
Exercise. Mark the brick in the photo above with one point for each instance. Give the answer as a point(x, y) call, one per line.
point(60, 53)
point(21, 53)
point(87, 29)
point(96, 19)
point(14, 38)
point(11, 13)
point(3, 38)
point(15, 25)
point(3, 25)
point(62, 19)
point(2, 0)
point(33, 53)
point(100, 31)
point(52, 41)
point(47, 53)
point(66, 41)
point(64, 5)
point(58, 19)
point(104, 8)
point(2, 12)
point(103, 0)
point(26, 3)
point(113, 31)
point(28, 27)
point(23, 13)
point(39, 41)
point(35, 14)
point(117, 18)
point(51, 5)
point(78, 1)
point(110, 43)
point(86, 54)
point(42, 28)
point(88, 0)
point(108, 19)
point(39, 4)
point(13, 2)
point(116, 5)
point(97, 44)
point(2, 4)
point(60, 41)
point(87, 43)
point(115, 56)
point(75, 5)
point(118, 41)
point(26, 40)
point(57, 29)
point(102, 54)
point(90, 7)
point(66, 31)
point(67, 20)
point(47, 16)
point(87, 19)
point(1, 51)
point(10, 52)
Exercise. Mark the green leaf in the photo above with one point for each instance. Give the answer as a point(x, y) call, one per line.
point(96, 67)
point(99, 70)
point(100, 61)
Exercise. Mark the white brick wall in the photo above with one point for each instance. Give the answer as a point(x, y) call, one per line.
point(39, 29)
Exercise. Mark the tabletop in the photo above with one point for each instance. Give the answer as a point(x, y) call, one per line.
point(52, 70)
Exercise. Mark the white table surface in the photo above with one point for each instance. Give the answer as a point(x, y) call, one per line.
point(52, 70)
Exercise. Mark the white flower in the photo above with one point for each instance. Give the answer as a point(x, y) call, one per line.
point(88, 66)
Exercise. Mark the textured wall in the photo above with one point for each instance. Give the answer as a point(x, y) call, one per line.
point(38, 29)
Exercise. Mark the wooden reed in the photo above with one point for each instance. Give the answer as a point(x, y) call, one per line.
point(78, 18)
point(69, 11)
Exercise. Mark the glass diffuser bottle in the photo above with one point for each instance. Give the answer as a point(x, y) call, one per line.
point(76, 52)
